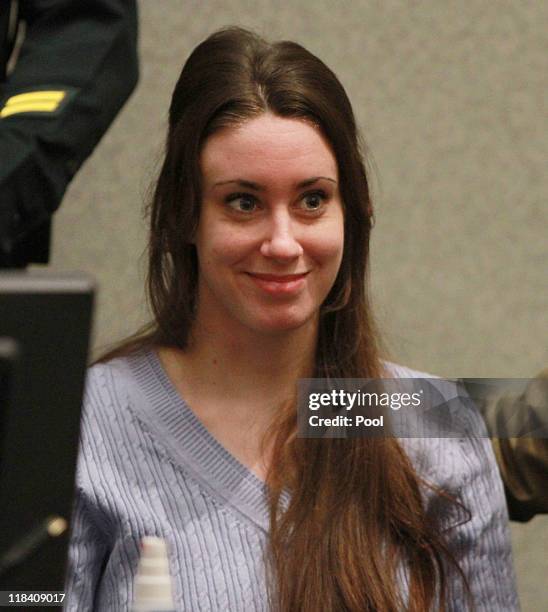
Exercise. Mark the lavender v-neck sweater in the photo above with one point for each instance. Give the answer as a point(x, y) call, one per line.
point(148, 466)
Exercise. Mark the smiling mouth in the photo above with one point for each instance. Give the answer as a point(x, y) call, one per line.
point(278, 278)
point(279, 285)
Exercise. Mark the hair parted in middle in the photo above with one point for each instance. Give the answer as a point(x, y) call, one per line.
point(230, 78)
point(356, 512)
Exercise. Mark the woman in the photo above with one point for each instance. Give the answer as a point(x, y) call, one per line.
point(257, 262)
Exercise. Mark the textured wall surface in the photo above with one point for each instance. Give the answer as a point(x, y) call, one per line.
point(449, 97)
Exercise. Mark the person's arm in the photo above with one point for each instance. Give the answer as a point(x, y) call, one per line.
point(523, 461)
point(88, 551)
point(480, 537)
point(76, 67)
point(477, 527)
point(91, 534)
point(523, 464)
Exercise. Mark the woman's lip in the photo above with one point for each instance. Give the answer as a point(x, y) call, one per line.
point(278, 278)
point(279, 284)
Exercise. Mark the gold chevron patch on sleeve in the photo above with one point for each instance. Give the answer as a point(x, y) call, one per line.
point(46, 101)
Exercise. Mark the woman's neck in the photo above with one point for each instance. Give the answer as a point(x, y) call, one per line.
point(244, 362)
point(237, 382)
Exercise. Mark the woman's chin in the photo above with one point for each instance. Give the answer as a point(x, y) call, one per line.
point(282, 324)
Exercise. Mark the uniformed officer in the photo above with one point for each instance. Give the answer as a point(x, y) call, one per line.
point(66, 69)
point(523, 460)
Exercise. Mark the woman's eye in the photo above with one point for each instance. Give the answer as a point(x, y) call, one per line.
point(241, 202)
point(313, 201)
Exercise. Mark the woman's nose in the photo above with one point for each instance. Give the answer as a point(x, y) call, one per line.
point(280, 241)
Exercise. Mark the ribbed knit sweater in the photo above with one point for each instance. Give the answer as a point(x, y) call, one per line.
point(148, 466)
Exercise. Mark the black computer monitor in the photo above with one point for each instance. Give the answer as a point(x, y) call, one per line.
point(45, 323)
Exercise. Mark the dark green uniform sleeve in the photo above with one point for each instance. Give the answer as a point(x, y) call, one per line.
point(76, 67)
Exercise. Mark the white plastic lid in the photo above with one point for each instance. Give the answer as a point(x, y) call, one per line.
point(153, 588)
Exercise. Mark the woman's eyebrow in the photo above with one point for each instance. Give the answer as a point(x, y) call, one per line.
point(257, 187)
point(241, 183)
point(311, 181)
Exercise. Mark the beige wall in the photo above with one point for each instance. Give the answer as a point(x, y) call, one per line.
point(448, 95)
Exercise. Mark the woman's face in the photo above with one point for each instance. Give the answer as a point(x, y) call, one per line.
point(271, 231)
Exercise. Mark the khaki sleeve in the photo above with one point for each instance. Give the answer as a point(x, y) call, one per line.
point(523, 462)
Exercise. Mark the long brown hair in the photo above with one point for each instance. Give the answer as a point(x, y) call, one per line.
point(355, 515)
